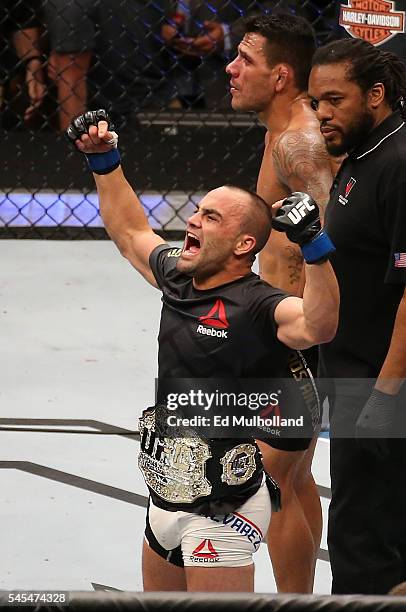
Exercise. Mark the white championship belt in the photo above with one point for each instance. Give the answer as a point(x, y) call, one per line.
point(174, 468)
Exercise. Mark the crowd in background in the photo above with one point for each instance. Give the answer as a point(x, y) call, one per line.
point(59, 57)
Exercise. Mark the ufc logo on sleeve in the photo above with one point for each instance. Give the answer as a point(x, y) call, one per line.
point(299, 211)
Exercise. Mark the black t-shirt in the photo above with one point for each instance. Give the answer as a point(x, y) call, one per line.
point(224, 332)
point(381, 23)
point(366, 219)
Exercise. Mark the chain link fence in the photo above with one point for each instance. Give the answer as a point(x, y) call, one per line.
point(158, 66)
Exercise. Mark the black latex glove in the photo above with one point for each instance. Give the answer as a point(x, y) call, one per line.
point(375, 423)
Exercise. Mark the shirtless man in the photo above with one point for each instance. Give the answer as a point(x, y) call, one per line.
point(269, 76)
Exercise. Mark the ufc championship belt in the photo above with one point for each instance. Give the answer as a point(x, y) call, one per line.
point(177, 470)
point(174, 468)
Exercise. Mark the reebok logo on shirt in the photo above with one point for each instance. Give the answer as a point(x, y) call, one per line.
point(209, 331)
point(216, 319)
point(343, 199)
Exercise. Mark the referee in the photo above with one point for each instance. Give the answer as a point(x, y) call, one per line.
point(358, 92)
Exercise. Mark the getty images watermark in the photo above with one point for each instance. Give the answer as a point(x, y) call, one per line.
point(218, 400)
point(204, 400)
point(239, 408)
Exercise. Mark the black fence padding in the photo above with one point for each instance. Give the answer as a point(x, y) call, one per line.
point(191, 154)
point(218, 602)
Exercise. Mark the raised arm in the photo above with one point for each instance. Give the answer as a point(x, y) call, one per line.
point(303, 164)
point(120, 208)
point(313, 319)
point(297, 161)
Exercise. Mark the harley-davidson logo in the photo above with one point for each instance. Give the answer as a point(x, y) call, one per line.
point(376, 21)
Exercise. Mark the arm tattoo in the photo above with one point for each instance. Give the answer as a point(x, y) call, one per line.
point(303, 164)
point(294, 263)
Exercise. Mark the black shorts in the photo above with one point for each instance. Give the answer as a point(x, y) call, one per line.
point(310, 356)
point(288, 444)
point(70, 25)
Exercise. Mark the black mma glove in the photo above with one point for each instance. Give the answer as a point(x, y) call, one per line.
point(99, 163)
point(299, 218)
point(375, 423)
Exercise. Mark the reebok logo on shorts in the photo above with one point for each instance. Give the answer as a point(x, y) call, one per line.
point(216, 319)
point(205, 553)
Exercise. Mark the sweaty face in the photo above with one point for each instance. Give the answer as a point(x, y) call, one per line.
point(341, 107)
point(251, 77)
point(211, 235)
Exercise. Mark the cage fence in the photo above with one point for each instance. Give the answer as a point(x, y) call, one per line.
point(158, 67)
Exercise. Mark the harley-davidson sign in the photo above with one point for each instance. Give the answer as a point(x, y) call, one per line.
point(373, 20)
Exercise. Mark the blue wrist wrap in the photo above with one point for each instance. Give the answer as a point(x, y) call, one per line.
point(103, 163)
point(318, 248)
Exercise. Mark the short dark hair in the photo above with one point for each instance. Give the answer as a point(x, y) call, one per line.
point(291, 40)
point(367, 65)
point(257, 219)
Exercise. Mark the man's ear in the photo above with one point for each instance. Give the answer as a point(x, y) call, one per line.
point(245, 244)
point(376, 95)
point(282, 76)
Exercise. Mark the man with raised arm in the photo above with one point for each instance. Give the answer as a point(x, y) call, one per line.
point(210, 503)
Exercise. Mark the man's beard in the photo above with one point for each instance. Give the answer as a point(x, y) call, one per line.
point(204, 267)
point(354, 136)
point(249, 104)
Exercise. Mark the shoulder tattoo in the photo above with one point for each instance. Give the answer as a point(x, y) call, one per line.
point(303, 164)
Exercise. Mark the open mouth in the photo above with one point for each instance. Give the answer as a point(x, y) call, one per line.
point(192, 245)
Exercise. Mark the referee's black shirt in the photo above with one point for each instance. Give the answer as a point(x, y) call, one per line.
point(366, 219)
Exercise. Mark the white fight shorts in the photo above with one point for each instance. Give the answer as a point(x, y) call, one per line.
point(229, 540)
